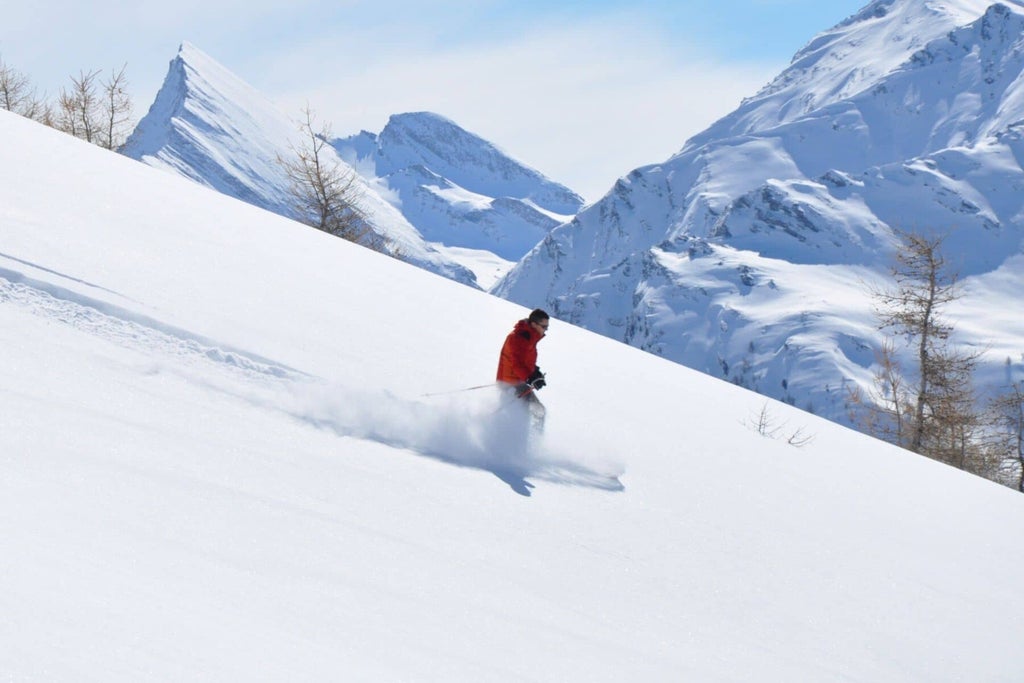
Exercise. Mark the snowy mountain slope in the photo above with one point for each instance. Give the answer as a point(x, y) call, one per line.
point(430, 196)
point(467, 160)
point(457, 188)
point(208, 125)
point(905, 116)
point(846, 60)
point(218, 461)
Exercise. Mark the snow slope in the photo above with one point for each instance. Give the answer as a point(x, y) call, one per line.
point(217, 461)
point(750, 254)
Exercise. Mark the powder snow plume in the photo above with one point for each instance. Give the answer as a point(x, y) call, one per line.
point(485, 428)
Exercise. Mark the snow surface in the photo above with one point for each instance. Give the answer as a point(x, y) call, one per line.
point(218, 462)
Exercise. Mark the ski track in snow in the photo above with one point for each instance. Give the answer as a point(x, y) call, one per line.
point(131, 330)
point(483, 431)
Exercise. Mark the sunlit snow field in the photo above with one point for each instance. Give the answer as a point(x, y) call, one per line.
point(233, 448)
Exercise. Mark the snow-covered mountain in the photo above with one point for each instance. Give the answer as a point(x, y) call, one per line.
point(748, 255)
point(211, 127)
point(433, 203)
point(219, 460)
point(459, 189)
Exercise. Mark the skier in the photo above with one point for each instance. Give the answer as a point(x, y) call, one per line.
point(517, 365)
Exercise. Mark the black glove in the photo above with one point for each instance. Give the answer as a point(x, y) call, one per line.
point(536, 379)
point(522, 389)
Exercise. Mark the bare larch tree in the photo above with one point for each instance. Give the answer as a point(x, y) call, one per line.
point(936, 415)
point(326, 195)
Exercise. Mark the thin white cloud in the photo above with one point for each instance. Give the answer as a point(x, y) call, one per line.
point(583, 104)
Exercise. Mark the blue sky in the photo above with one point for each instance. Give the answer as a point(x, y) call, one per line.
point(584, 91)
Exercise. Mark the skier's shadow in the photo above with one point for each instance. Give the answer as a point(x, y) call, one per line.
point(564, 473)
point(537, 465)
point(517, 484)
point(517, 465)
point(516, 481)
point(518, 478)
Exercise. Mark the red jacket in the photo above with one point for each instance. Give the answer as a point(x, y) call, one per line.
point(519, 354)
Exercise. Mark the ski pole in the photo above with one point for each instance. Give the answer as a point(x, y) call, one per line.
point(459, 391)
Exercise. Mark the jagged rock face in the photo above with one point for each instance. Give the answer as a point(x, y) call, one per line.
point(749, 254)
point(457, 188)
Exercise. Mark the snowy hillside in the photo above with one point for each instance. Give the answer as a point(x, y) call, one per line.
point(211, 127)
point(459, 189)
point(219, 461)
point(749, 254)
